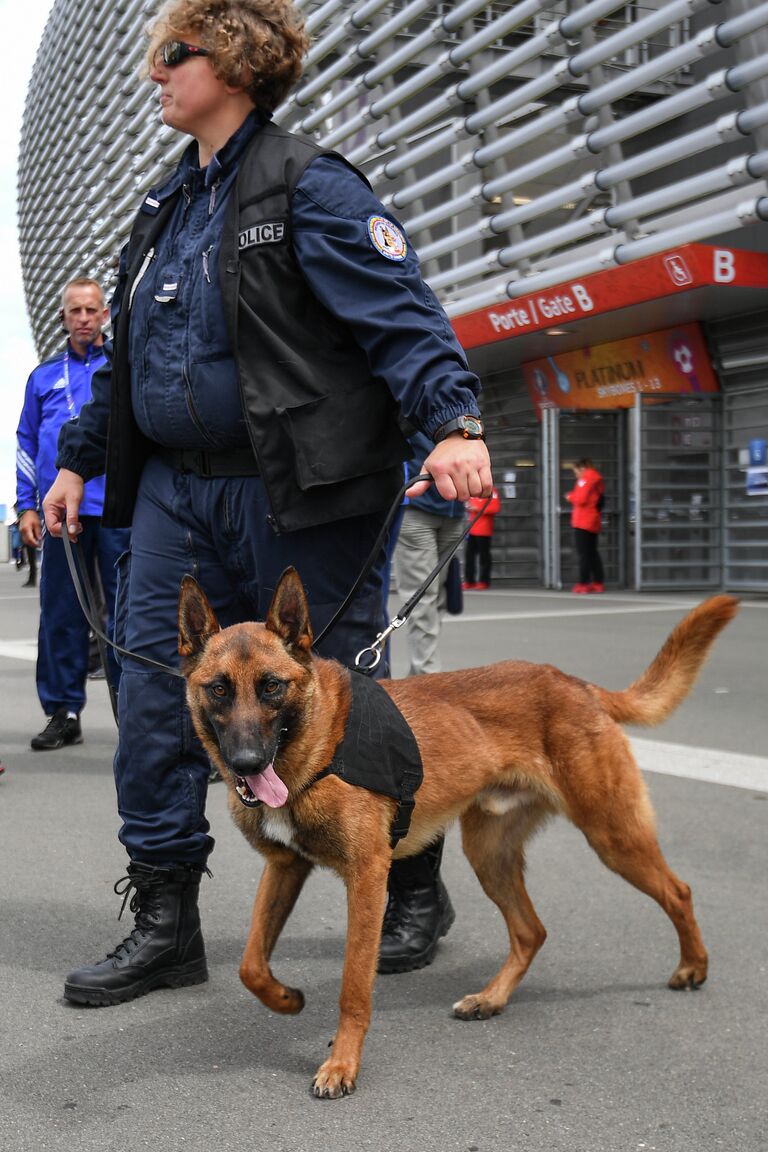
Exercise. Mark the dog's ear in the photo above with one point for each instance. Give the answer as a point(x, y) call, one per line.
point(197, 622)
point(288, 615)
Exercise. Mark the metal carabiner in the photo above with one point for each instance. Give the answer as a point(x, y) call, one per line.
point(375, 648)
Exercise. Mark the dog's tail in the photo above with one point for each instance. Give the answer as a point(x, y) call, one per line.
point(668, 680)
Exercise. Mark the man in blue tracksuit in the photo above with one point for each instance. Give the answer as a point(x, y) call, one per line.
point(271, 325)
point(55, 393)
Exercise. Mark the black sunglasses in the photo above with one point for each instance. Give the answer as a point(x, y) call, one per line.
point(175, 52)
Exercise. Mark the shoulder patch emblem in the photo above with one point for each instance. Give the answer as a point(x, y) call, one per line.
point(387, 238)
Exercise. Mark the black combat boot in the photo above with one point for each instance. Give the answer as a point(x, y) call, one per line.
point(418, 913)
point(165, 949)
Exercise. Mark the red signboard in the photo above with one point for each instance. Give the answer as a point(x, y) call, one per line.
point(610, 375)
point(681, 270)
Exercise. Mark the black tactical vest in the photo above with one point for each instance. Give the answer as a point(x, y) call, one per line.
point(378, 751)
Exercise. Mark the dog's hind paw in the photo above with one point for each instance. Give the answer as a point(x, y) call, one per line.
point(476, 1008)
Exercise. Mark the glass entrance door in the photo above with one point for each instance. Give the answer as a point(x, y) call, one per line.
point(567, 437)
point(598, 436)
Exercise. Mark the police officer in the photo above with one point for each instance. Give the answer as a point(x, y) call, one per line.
point(271, 325)
point(55, 392)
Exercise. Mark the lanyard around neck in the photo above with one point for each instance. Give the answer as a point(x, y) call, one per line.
point(67, 388)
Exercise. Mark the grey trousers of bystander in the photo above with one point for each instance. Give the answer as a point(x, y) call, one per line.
point(424, 537)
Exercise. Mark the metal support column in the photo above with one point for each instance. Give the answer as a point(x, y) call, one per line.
point(550, 497)
point(637, 457)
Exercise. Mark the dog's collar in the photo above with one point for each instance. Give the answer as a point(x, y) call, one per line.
point(378, 751)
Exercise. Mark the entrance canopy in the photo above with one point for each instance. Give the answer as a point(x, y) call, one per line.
point(693, 282)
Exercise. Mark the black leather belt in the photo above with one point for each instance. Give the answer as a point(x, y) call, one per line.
point(209, 465)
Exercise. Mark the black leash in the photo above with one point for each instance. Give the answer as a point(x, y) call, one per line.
point(85, 596)
point(91, 611)
point(78, 570)
point(397, 621)
point(378, 545)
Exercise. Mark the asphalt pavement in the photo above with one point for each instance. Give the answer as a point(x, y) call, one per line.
point(593, 1053)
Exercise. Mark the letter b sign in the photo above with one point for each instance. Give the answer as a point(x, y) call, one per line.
point(724, 266)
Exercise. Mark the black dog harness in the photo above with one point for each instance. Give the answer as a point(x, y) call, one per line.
point(378, 751)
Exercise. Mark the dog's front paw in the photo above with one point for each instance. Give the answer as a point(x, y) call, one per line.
point(273, 995)
point(289, 1001)
point(334, 1080)
point(476, 1007)
point(688, 976)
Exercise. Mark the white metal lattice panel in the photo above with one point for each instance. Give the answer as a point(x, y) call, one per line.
point(522, 143)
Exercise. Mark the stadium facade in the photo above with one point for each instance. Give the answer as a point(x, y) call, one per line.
point(585, 185)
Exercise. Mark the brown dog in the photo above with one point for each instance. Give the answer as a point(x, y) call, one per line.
point(503, 747)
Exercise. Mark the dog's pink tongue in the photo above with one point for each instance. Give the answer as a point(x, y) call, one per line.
point(268, 787)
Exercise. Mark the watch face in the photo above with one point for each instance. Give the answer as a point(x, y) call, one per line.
point(473, 428)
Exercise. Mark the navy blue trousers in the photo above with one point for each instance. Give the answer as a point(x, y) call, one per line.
point(62, 642)
point(216, 530)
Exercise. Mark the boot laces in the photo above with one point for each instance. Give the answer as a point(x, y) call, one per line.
point(390, 914)
point(142, 901)
point(142, 895)
point(397, 914)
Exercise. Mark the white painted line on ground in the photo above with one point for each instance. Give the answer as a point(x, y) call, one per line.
point(639, 601)
point(709, 765)
point(586, 610)
point(583, 609)
point(19, 649)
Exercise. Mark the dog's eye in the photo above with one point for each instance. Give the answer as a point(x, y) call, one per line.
point(270, 687)
point(218, 690)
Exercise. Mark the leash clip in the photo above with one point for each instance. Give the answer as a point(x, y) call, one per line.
point(375, 648)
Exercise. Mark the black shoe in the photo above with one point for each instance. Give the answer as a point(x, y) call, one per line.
point(164, 950)
point(60, 730)
point(30, 583)
point(414, 921)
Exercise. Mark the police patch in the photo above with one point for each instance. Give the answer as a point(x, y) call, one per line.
point(270, 232)
point(387, 238)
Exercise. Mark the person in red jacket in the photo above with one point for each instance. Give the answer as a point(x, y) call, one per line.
point(586, 500)
point(479, 543)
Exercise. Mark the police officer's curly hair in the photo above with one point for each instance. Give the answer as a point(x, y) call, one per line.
point(258, 45)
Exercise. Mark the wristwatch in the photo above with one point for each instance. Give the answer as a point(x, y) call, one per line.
point(471, 428)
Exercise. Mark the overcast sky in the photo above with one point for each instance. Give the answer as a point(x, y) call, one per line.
point(24, 23)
